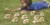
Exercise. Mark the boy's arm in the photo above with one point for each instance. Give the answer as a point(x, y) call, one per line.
point(49, 5)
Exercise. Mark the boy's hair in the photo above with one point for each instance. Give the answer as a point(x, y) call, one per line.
point(28, 2)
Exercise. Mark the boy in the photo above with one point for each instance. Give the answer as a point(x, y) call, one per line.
point(36, 6)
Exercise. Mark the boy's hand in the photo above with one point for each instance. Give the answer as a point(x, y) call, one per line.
point(24, 4)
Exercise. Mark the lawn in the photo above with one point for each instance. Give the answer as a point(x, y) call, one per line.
point(16, 4)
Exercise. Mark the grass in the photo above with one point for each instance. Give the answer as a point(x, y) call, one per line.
point(15, 4)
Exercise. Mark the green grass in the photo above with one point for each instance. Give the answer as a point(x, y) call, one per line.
point(15, 4)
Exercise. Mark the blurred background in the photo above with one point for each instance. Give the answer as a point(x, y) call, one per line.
point(16, 4)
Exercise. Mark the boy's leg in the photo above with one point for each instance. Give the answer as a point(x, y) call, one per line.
point(45, 1)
